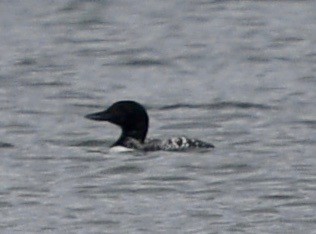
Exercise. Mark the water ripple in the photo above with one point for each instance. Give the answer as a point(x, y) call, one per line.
point(219, 105)
point(124, 170)
point(149, 62)
point(6, 145)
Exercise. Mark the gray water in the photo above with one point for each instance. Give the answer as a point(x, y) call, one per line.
point(239, 74)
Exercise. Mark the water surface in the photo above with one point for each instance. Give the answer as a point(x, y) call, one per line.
point(239, 74)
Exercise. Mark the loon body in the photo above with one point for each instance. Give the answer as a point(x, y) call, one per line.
point(133, 120)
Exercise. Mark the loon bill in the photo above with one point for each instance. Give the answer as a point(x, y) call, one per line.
point(133, 119)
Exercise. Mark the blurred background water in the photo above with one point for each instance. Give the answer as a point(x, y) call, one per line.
point(239, 74)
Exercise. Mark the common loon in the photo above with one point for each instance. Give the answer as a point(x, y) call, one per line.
point(133, 120)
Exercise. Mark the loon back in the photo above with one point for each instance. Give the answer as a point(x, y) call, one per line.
point(176, 144)
point(171, 144)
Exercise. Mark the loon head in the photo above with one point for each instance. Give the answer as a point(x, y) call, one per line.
point(129, 115)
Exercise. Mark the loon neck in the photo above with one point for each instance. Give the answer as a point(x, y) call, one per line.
point(131, 134)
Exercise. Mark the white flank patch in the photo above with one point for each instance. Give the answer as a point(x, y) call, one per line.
point(120, 149)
